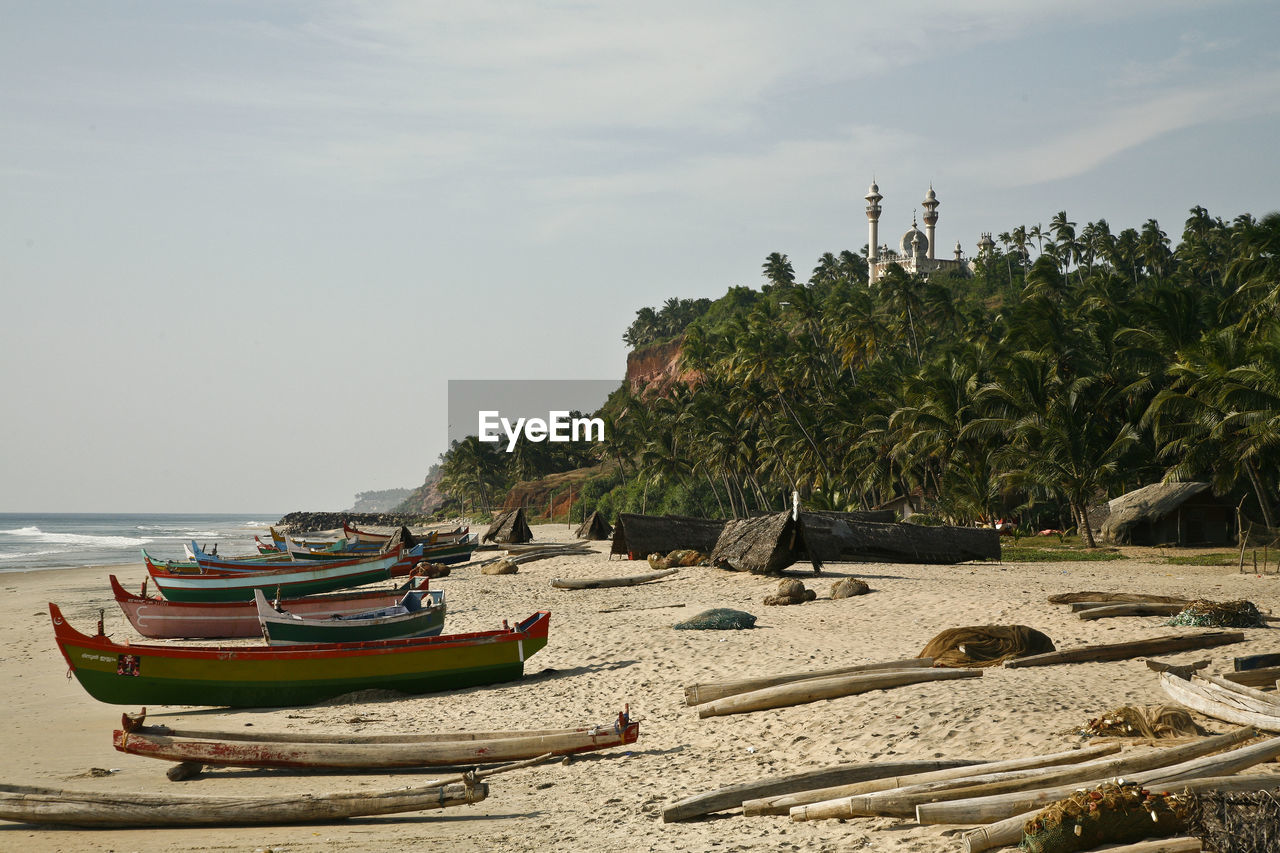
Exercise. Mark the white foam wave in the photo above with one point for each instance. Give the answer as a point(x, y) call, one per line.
point(18, 555)
point(23, 531)
point(81, 539)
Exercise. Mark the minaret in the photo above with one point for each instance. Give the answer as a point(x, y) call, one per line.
point(873, 238)
point(930, 205)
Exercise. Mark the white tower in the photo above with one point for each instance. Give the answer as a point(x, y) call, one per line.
point(930, 205)
point(873, 238)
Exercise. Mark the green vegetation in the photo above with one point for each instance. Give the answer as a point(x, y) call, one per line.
point(1075, 365)
point(1029, 554)
point(1204, 560)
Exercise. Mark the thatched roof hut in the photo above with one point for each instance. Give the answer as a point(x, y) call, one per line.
point(881, 516)
point(595, 527)
point(510, 527)
point(835, 539)
point(763, 545)
point(1170, 513)
point(642, 535)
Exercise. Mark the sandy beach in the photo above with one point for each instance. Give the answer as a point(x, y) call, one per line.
point(614, 646)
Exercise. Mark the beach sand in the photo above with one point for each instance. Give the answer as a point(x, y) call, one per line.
point(614, 646)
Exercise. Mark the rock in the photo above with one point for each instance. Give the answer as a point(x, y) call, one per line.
point(849, 587)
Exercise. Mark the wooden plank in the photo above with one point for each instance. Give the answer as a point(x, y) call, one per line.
point(784, 803)
point(1265, 661)
point(1112, 610)
point(835, 687)
point(602, 583)
point(732, 797)
point(1264, 677)
point(697, 694)
point(1132, 649)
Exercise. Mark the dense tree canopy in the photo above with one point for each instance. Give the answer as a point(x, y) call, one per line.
point(1074, 365)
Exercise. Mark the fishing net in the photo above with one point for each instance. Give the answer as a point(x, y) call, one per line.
point(985, 645)
point(849, 587)
point(717, 619)
point(1235, 822)
point(1111, 813)
point(1146, 721)
point(791, 591)
point(1203, 613)
point(677, 559)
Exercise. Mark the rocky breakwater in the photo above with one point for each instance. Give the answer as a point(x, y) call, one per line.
point(302, 522)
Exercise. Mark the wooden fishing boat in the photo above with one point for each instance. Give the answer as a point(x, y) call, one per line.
point(269, 676)
point(189, 566)
point(159, 619)
point(414, 614)
point(293, 580)
point(25, 804)
point(243, 749)
point(433, 537)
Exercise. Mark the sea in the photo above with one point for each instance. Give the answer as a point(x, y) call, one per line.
point(66, 540)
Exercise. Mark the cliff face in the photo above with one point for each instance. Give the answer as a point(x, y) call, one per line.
point(427, 498)
point(655, 368)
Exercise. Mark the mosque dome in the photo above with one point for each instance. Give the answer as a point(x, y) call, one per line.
point(908, 239)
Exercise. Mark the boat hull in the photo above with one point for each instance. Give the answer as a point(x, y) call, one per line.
point(282, 630)
point(161, 619)
point(260, 677)
point(358, 754)
point(294, 582)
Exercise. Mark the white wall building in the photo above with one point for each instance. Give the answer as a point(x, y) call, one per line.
point(915, 252)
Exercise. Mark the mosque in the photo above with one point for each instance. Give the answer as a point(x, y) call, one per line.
point(915, 252)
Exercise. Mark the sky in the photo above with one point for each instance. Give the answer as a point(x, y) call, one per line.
point(244, 246)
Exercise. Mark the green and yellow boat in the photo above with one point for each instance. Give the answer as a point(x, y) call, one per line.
point(281, 676)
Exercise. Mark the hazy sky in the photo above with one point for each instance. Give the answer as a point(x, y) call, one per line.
point(243, 246)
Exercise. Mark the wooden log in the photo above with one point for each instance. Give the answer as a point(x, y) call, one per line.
point(1132, 649)
point(732, 796)
point(1185, 844)
point(1199, 699)
point(902, 802)
point(88, 809)
point(1008, 832)
point(815, 689)
point(1000, 806)
point(1264, 677)
point(1112, 610)
point(697, 694)
point(1266, 661)
point(1262, 701)
point(784, 804)
point(1113, 598)
point(601, 583)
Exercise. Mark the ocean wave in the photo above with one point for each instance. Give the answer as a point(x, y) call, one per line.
point(81, 539)
point(18, 555)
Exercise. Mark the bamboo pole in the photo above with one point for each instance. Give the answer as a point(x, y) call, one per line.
point(1008, 832)
point(1132, 649)
point(815, 689)
point(732, 796)
point(991, 809)
point(902, 802)
point(784, 804)
point(697, 694)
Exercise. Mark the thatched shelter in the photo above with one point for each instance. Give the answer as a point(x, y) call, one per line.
point(1170, 513)
point(595, 527)
point(764, 545)
point(510, 527)
point(839, 538)
point(638, 536)
point(882, 516)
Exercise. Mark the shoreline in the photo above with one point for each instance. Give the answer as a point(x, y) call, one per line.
point(614, 646)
